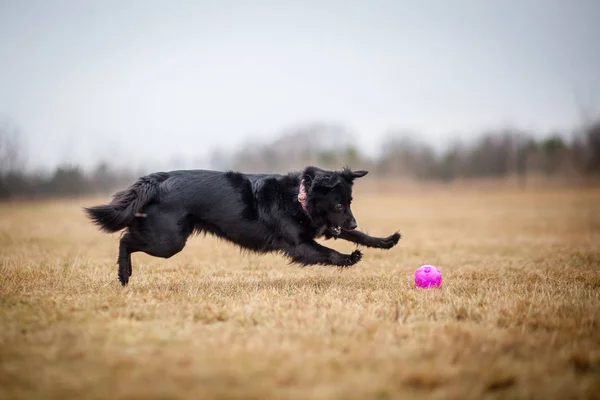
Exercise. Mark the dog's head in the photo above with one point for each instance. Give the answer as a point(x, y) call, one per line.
point(329, 196)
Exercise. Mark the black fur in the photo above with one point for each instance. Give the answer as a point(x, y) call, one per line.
point(258, 212)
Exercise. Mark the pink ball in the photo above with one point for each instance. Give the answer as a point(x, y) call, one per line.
point(428, 276)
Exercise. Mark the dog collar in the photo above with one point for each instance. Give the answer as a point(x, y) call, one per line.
point(302, 195)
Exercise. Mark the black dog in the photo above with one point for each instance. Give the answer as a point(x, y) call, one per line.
point(258, 212)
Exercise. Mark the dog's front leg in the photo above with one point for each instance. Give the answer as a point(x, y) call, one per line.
point(370, 241)
point(310, 253)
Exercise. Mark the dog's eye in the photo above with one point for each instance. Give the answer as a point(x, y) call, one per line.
point(338, 207)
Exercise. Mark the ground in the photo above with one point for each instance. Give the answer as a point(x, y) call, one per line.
point(518, 315)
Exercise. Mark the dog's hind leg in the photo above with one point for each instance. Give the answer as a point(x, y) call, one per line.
point(127, 246)
point(157, 234)
point(124, 260)
point(164, 246)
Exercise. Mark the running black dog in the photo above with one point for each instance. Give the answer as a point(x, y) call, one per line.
point(258, 212)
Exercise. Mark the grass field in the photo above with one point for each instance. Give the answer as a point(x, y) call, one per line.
point(518, 315)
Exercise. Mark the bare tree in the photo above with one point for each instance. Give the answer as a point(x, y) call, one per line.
point(11, 155)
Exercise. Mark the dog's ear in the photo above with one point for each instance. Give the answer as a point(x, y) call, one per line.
point(319, 179)
point(310, 174)
point(350, 175)
point(328, 181)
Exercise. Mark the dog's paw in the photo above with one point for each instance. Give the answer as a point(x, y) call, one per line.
point(355, 257)
point(351, 259)
point(390, 241)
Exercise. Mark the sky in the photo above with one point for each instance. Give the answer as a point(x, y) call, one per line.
point(139, 81)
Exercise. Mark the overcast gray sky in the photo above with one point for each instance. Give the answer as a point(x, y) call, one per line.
point(157, 78)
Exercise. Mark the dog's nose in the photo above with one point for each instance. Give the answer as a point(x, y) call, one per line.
point(352, 225)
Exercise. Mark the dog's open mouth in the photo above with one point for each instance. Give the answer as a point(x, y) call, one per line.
point(336, 230)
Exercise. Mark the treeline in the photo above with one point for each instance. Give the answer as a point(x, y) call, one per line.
point(65, 180)
point(494, 154)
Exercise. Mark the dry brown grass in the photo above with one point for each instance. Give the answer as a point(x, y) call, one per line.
point(518, 315)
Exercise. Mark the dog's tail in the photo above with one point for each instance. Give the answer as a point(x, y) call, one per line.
point(126, 204)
